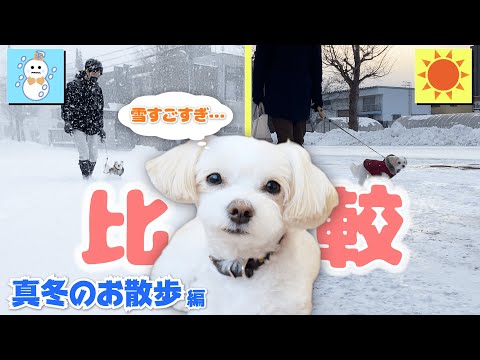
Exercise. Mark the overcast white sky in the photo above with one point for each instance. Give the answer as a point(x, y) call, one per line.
point(110, 55)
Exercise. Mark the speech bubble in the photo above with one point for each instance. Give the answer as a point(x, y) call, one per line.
point(175, 116)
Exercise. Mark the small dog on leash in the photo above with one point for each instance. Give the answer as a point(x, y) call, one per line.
point(390, 167)
point(116, 169)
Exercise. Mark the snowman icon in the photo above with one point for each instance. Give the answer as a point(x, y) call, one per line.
point(36, 86)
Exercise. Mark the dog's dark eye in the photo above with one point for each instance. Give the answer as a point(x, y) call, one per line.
point(214, 179)
point(272, 187)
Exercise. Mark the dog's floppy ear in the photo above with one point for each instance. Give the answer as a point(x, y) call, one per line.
point(173, 173)
point(312, 196)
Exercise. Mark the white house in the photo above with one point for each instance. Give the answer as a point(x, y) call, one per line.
point(382, 103)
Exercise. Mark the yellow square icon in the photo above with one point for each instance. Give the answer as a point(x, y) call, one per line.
point(443, 76)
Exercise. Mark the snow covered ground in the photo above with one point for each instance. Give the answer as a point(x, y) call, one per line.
point(458, 135)
point(443, 272)
point(42, 196)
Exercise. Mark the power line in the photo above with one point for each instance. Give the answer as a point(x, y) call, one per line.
point(137, 59)
point(117, 57)
point(109, 53)
point(113, 52)
point(116, 51)
point(124, 55)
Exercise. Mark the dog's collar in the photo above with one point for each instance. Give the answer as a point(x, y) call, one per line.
point(240, 267)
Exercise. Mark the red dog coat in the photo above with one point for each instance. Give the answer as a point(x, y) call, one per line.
point(377, 167)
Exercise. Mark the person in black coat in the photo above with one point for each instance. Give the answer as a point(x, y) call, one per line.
point(287, 83)
point(82, 112)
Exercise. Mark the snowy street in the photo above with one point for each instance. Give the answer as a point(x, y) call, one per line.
point(443, 273)
point(42, 195)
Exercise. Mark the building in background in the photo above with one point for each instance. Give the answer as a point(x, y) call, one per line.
point(225, 74)
point(196, 69)
point(382, 103)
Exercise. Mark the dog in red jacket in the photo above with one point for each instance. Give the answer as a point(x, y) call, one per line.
point(390, 167)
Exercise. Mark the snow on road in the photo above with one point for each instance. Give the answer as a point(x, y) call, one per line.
point(42, 194)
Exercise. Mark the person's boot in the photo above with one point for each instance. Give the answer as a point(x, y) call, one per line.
point(91, 166)
point(84, 168)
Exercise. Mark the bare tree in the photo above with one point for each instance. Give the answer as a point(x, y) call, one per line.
point(332, 82)
point(355, 64)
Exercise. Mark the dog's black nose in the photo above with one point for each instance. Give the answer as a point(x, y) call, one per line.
point(240, 211)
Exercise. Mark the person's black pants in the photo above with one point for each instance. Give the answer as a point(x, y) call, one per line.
point(287, 129)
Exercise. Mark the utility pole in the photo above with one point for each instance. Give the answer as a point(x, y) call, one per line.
point(408, 85)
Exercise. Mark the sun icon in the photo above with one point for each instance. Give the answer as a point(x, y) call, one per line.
point(445, 74)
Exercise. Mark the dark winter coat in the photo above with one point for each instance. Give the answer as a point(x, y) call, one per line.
point(83, 106)
point(288, 79)
point(377, 167)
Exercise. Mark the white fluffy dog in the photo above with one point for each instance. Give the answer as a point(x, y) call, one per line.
point(248, 245)
point(389, 167)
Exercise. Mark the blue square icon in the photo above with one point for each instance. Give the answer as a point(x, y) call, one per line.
point(35, 76)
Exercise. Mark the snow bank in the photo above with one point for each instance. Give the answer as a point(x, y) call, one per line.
point(458, 135)
point(364, 124)
point(362, 121)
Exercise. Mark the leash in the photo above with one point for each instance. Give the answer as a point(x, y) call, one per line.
point(106, 161)
point(330, 120)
